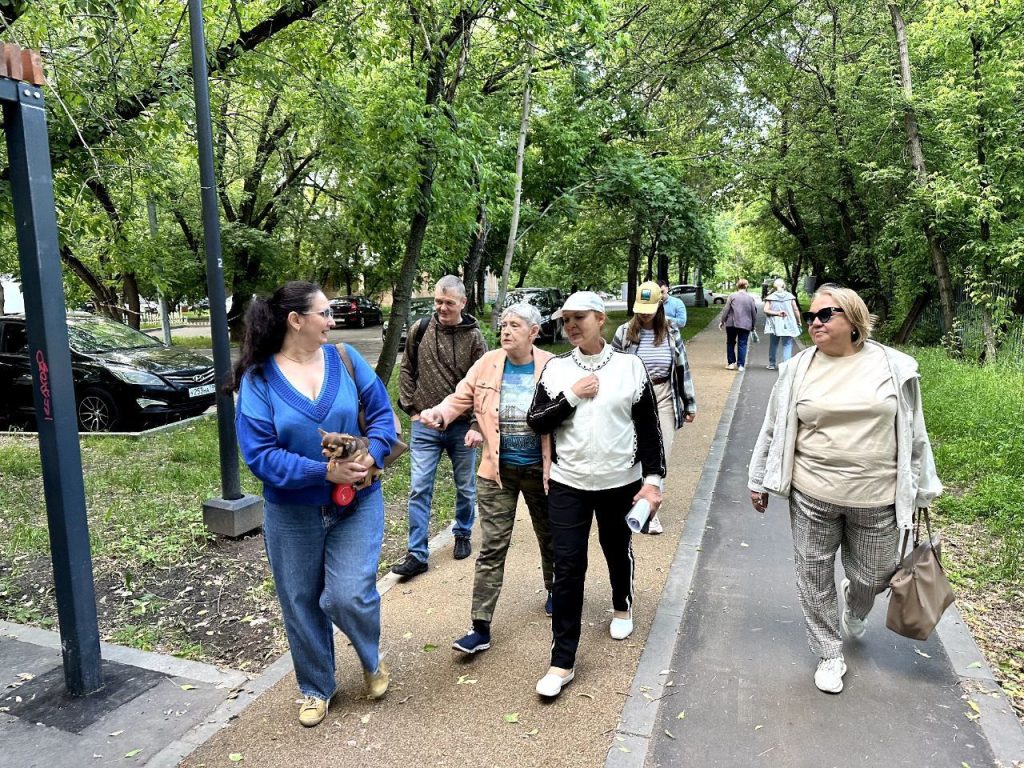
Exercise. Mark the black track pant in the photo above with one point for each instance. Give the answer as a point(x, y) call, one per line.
point(571, 511)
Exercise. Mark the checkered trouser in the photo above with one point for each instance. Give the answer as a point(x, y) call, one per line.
point(868, 538)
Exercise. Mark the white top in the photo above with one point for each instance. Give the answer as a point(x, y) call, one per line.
point(596, 448)
point(846, 436)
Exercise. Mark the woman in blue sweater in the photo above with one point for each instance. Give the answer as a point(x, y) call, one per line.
point(291, 381)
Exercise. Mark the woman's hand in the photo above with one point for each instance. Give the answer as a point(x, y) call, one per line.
point(652, 494)
point(689, 417)
point(430, 417)
point(348, 472)
point(759, 500)
point(473, 439)
point(586, 387)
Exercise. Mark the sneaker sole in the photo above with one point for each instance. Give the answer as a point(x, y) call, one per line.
point(470, 651)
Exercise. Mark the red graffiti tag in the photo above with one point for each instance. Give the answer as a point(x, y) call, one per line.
point(44, 384)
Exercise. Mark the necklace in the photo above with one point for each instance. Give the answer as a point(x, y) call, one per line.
point(299, 362)
point(592, 369)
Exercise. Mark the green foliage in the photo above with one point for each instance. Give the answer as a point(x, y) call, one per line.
point(974, 416)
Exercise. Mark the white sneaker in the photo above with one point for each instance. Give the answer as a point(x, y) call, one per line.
point(654, 527)
point(731, 366)
point(853, 627)
point(741, 368)
point(620, 629)
point(829, 675)
point(552, 683)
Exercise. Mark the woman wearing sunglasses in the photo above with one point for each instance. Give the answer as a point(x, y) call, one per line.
point(844, 439)
point(290, 382)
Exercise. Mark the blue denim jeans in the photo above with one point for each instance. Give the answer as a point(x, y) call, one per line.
point(325, 569)
point(773, 344)
point(425, 449)
point(736, 345)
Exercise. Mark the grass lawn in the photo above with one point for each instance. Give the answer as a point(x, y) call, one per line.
point(974, 417)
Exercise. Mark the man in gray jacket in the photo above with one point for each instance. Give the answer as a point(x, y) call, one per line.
point(738, 319)
point(435, 361)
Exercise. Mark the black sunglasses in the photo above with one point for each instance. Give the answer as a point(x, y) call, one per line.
point(824, 315)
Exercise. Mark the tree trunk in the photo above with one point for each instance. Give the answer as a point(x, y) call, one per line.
point(907, 327)
point(984, 226)
point(917, 161)
point(635, 243)
point(476, 253)
point(131, 298)
point(513, 229)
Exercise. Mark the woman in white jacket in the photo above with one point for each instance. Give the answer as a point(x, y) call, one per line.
point(844, 439)
point(600, 408)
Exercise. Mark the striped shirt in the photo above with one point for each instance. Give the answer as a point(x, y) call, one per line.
point(657, 359)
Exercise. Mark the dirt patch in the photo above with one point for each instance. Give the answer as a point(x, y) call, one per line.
point(993, 611)
point(218, 605)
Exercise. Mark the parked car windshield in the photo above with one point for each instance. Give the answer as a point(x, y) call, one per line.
point(98, 334)
point(536, 298)
point(421, 307)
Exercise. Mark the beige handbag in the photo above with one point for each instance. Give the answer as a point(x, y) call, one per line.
point(919, 592)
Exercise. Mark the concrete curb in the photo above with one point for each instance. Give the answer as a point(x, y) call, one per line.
point(640, 713)
point(229, 680)
point(998, 721)
point(171, 427)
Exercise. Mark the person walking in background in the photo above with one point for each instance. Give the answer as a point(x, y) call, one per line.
point(430, 371)
point(600, 407)
point(499, 388)
point(782, 323)
point(738, 318)
point(649, 336)
point(844, 439)
point(675, 309)
point(290, 382)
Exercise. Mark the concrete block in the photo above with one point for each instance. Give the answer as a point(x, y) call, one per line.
point(233, 517)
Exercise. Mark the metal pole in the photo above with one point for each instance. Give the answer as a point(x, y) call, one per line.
point(165, 320)
point(230, 483)
point(53, 389)
point(233, 514)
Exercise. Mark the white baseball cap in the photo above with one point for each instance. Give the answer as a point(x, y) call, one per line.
point(581, 301)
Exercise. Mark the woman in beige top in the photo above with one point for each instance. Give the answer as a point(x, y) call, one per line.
point(844, 439)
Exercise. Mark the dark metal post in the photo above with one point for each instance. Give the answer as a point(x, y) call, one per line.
point(244, 513)
point(699, 299)
point(36, 226)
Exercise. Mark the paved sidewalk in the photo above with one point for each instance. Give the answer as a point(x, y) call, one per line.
point(446, 710)
point(719, 637)
point(736, 688)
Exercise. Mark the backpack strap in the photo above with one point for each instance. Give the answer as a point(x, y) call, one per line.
point(417, 337)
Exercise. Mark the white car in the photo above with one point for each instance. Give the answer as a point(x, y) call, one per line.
point(688, 293)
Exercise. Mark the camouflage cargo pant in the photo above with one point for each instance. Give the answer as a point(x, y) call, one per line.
point(497, 511)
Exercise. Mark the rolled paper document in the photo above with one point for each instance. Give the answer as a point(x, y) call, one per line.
point(638, 514)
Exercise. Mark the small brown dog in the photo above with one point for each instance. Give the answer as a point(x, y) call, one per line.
point(339, 446)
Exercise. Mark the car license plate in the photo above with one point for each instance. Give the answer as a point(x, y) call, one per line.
point(206, 389)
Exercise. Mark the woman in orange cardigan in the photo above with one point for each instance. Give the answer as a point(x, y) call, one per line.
point(499, 388)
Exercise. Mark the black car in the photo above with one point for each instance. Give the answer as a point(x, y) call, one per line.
point(122, 377)
point(417, 308)
point(546, 300)
point(356, 310)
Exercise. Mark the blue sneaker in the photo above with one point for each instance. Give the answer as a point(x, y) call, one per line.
point(549, 606)
point(474, 642)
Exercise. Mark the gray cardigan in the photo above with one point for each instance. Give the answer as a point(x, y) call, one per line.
point(771, 465)
point(740, 311)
